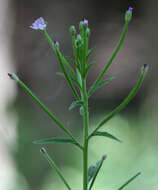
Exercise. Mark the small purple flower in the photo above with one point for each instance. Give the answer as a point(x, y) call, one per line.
point(55, 42)
point(85, 22)
point(130, 9)
point(38, 24)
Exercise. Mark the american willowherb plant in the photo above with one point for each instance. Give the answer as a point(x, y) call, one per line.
point(75, 71)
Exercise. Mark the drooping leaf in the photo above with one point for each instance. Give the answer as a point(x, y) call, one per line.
point(129, 181)
point(106, 134)
point(54, 140)
point(74, 104)
point(99, 85)
point(81, 111)
point(94, 170)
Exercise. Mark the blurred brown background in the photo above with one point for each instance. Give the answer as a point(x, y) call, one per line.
point(36, 64)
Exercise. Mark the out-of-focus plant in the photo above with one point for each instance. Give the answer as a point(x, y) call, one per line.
point(75, 71)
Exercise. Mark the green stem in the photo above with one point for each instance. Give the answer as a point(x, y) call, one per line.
point(125, 102)
point(46, 110)
point(53, 165)
point(111, 59)
point(62, 61)
point(86, 126)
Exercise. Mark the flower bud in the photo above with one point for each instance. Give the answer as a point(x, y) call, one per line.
point(79, 39)
point(72, 30)
point(43, 150)
point(128, 15)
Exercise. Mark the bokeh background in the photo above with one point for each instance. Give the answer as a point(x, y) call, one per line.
point(27, 53)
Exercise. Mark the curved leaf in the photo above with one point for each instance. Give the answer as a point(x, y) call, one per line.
point(74, 104)
point(106, 134)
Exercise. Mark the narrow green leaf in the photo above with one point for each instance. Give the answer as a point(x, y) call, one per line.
point(129, 181)
point(74, 104)
point(95, 172)
point(54, 140)
point(99, 85)
point(106, 134)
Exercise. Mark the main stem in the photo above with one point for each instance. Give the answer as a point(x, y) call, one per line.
point(86, 126)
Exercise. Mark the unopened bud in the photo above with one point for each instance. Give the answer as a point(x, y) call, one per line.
point(128, 15)
point(43, 150)
point(79, 39)
point(13, 76)
point(72, 30)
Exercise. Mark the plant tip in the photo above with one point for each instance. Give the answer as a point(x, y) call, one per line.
point(130, 9)
point(39, 24)
point(104, 157)
point(43, 150)
point(10, 75)
point(85, 22)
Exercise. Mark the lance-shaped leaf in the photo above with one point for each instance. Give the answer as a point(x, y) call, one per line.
point(75, 103)
point(54, 140)
point(106, 134)
point(99, 85)
point(94, 170)
point(129, 181)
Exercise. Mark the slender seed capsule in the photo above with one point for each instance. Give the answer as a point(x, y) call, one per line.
point(128, 15)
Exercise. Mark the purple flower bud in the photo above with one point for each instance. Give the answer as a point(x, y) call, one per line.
point(10, 75)
point(130, 9)
point(55, 42)
point(43, 150)
point(85, 22)
point(128, 15)
point(39, 24)
point(13, 76)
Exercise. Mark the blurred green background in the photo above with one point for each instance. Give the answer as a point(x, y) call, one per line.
point(28, 54)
